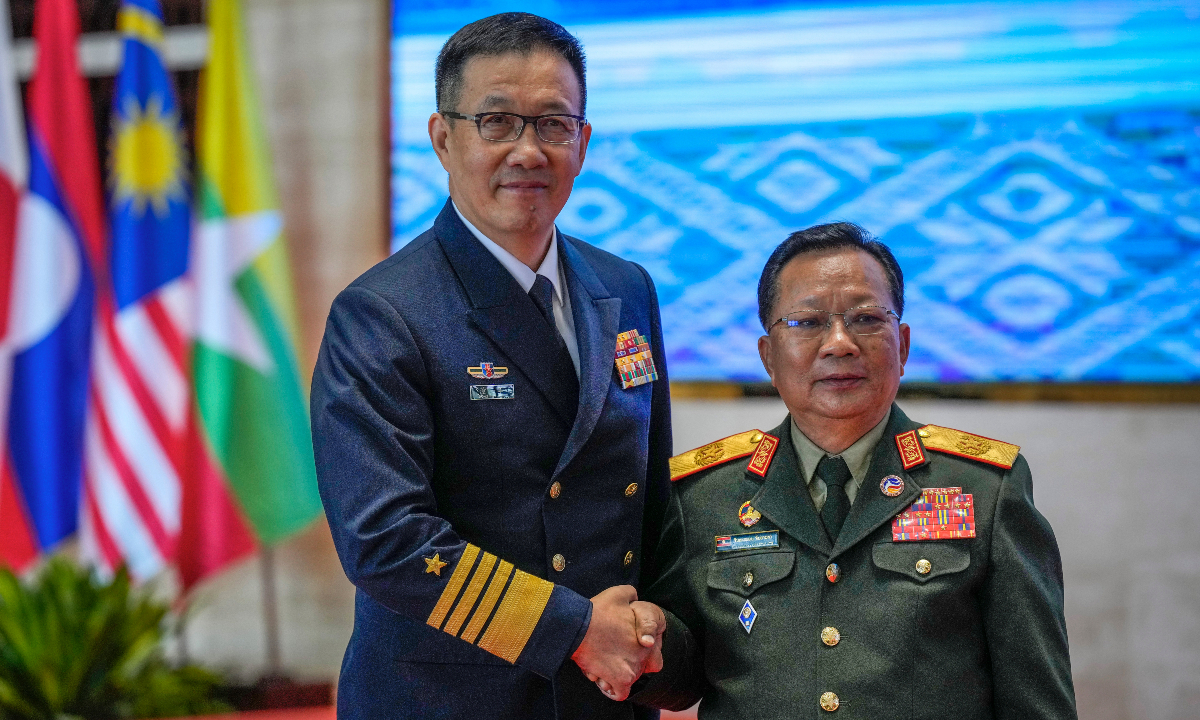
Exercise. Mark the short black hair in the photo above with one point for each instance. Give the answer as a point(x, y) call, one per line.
point(831, 236)
point(512, 32)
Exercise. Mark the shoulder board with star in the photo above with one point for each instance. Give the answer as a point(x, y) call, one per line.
point(970, 446)
point(752, 442)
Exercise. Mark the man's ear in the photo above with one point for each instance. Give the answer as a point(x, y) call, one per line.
point(764, 354)
point(439, 137)
point(583, 142)
point(904, 340)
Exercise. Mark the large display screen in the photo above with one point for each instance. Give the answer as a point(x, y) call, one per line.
point(1035, 166)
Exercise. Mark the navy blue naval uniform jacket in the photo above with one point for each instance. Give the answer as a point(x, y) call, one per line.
point(449, 513)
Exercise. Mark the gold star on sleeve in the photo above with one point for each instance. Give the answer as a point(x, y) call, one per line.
point(434, 565)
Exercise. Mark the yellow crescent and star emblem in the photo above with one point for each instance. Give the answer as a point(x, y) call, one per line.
point(435, 564)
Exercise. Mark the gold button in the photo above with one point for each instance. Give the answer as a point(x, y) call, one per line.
point(629, 491)
point(559, 562)
point(923, 433)
point(756, 437)
point(748, 580)
point(830, 636)
point(628, 557)
point(555, 489)
point(829, 701)
point(924, 566)
point(833, 573)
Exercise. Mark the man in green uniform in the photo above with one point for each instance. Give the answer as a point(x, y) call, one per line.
point(852, 563)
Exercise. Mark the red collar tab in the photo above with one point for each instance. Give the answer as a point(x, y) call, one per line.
point(912, 452)
point(763, 455)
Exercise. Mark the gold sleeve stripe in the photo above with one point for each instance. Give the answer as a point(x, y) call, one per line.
point(484, 611)
point(482, 573)
point(964, 444)
point(714, 453)
point(446, 601)
point(519, 613)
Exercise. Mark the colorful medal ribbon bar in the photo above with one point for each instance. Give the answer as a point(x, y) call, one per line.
point(940, 514)
point(635, 362)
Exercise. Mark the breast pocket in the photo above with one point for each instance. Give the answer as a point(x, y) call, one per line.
point(922, 561)
point(749, 573)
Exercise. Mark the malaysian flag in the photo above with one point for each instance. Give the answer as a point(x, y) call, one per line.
point(139, 432)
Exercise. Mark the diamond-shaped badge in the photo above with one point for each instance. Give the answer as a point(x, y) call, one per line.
point(747, 616)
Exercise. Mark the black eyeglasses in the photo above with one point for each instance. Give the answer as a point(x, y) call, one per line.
point(809, 324)
point(558, 129)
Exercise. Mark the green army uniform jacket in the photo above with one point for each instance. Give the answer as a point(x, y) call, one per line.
point(862, 627)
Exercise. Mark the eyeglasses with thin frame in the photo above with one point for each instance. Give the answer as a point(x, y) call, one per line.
point(811, 324)
point(556, 129)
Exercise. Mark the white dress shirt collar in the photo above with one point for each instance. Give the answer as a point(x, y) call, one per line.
point(519, 270)
point(551, 268)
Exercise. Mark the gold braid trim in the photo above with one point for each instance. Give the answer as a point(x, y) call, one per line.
point(519, 613)
point(482, 573)
point(484, 611)
point(446, 601)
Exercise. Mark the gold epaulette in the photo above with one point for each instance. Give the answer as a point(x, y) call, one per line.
point(715, 453)
point(964, 444)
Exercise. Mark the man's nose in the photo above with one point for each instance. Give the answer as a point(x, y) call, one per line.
point(527, 149)
point(837, 340)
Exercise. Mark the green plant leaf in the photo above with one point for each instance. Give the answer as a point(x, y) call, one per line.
point(73, 646)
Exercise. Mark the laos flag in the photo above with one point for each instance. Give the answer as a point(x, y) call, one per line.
point(47, 291)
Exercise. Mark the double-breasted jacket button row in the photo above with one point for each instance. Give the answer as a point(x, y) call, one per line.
point(556, 490)
point(558, 562)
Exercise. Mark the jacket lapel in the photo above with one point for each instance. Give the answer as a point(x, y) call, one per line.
point(596, 316)
point(501, 310)
point(871, 507)
point(784, 498)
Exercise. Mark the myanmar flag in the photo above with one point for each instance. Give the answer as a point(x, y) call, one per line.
point(260, 485)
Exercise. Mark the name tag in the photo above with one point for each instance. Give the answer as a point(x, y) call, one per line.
point(747, 541)
point(492, 392)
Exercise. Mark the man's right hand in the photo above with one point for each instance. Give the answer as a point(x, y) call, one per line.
point(620, 644)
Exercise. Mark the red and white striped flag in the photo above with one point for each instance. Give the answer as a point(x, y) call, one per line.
point(140, 432)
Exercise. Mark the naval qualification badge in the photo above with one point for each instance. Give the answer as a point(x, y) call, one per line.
point(486, 371)
point(635, 362)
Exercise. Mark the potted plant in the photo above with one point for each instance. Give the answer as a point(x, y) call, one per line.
point(74, 646)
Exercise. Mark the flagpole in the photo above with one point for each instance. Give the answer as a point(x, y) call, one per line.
point(271, 612)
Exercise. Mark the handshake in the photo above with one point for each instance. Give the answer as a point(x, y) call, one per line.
point(623, 640)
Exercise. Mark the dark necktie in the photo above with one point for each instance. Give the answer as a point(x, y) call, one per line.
point(835, 473)
point(542, 294)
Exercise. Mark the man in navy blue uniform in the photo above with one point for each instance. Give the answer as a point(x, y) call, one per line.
point(491, 419)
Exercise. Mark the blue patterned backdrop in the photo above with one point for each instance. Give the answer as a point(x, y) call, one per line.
point(1035, 167)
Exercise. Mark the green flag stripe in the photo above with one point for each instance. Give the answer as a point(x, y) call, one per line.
point(258, 425)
